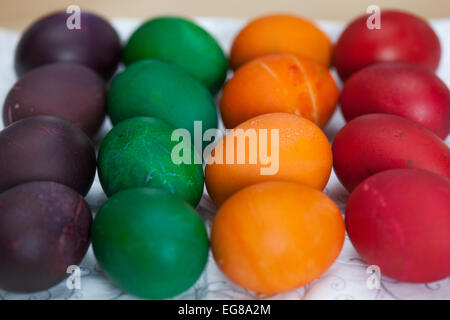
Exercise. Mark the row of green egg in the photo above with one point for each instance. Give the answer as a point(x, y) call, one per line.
point(147, 237)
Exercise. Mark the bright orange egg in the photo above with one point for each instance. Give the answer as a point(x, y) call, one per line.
point(281, 33)
point(276, 236)
point(271, 147)
point(279, 83)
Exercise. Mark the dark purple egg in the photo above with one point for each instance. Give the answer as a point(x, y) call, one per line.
point(96, 44)
point(44, 229)
point(66, 90)
point(46, 148)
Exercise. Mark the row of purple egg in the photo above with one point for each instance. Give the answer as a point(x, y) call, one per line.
point(48, 160)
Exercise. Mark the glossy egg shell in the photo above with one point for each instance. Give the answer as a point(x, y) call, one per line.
point(137, 153)
point(402, 37)
point(96, 44)
point(280, 33)
point(279, 83)
point(44, 229)
point(182, 42)
point(150, 243)
point(304, 155)
point(402, 89)
point(399, 220)
point(46, 148)
point(376, 142)
point(157, 89)
point(65, 90)
point(276, 236)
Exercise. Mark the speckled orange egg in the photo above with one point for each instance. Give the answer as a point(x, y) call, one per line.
point(279, 83)
point(281, 33)
point(276, 236)
point(278, 146)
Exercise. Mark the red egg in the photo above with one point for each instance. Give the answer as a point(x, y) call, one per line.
point(399, 220)
point(403, 89)
point(376, 142)
point(401, 37)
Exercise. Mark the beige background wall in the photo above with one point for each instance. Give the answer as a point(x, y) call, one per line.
point(17, 14)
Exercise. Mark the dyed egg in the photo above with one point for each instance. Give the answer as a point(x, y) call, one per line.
point(276, 236)
point(377, 142)
point(401, 37)
point(183, 43)
point(280, 34)
point(150, 243)
point(95, 44)
point(164, 91)
point(44, 229)
point(65, 90)
point(279, 83)
point(399, 220)
point(45, 148)
point(277, 146)
point(402, 89)
point(138, 153)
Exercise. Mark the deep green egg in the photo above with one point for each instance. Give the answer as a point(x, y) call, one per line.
point(138, 153)
point(150, 243)
point(183, 43)
point(162, 90)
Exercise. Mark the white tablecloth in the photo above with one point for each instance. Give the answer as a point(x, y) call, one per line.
point(347, 277)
